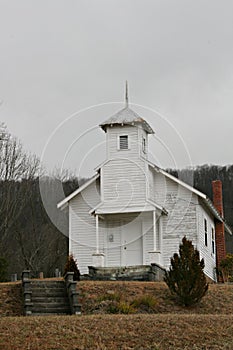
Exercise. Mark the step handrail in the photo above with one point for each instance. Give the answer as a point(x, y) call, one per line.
point(71, 287)
point(27, 293)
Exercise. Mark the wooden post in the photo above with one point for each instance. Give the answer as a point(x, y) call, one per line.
point(97, 233)
point(154, 229)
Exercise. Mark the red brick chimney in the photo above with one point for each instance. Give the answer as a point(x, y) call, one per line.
point(219, 226)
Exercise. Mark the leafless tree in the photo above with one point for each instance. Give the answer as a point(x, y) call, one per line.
point(16, 167)
point(28, 238)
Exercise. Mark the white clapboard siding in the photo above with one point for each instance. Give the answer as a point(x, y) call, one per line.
point(82, 243)
point(181, 220)
point(206, 251)
point(134, 134)
point(185, 218)
point(157, 187)
point(147, 231)
point(124, 175)
point(123, 183)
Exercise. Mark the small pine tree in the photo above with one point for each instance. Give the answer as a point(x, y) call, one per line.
point(185, 277)
point(71, 266)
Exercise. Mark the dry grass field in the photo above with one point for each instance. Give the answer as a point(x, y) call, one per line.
point(164, 325)
point(158, 331)
point(219, 298)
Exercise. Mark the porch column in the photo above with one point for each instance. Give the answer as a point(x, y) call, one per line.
point(154, 230)
point(154, 255)
point(97, 257)
point(97, 233)
point(160, 233)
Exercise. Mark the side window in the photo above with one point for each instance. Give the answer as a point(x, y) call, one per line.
point(123, 142)
point(144, 145)
point(213, 240)
point(206, 232)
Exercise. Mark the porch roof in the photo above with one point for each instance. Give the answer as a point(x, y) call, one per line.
point(124, 210)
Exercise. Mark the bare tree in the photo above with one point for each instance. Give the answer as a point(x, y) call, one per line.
point(28, 238)
point(16, 167)
point(41, 246)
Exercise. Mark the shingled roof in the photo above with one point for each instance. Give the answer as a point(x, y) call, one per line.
point(126, 116)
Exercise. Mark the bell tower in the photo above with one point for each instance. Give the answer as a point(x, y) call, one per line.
point(125, 173)
point(126, 133)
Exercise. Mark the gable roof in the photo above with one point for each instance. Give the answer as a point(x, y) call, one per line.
point(173, 178)
point(127, 116)
point(64, 202)
point(207, 202)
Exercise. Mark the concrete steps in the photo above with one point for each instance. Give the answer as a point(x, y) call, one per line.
point(151, 272)
point(49, 298)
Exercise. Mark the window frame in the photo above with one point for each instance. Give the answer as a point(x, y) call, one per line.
point(119, 142)
point(205, 232)
point(143, 144)
point(212, 240)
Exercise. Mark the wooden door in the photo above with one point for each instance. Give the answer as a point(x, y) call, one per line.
point(131, 238)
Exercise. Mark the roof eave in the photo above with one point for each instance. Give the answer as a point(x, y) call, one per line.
point(216, 214)
point(212, 209)
point(227, 228)
point(145, 127)
point(61, 205)
point(180, 182)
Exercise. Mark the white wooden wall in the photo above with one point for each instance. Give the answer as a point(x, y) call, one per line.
point(185, 218)
point(82, 228)
point(124, 175)
point(206, 251)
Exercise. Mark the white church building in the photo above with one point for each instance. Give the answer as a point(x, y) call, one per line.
point(131, 212)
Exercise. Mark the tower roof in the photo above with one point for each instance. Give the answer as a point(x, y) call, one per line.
point(127, 116)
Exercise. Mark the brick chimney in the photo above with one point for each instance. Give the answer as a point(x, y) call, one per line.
point(219, 226)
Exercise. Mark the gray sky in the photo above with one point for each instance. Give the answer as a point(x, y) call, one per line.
point(59, 57)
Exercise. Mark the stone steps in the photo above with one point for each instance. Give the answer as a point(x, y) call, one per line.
point(49, 291)
point(49, 298)
point(151, 272)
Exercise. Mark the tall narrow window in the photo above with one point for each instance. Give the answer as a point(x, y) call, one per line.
point(144, 144)
point(213, 241)
point(206, 232)
point(123, 142)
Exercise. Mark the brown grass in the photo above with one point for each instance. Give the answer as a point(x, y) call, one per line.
point(167, 331)
point(11, 299)
point(219, 298)
point(206, 326)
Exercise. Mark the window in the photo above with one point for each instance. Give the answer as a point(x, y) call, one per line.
point(213, 241)
point(144, 144)
point(206, 232)
point(123, 142)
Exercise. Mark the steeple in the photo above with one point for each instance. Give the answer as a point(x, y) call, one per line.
point(126, 95)
point(126, 116)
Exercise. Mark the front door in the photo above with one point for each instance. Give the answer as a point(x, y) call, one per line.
point(131, 247)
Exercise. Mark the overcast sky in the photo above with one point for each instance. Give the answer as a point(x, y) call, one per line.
point(59, 58)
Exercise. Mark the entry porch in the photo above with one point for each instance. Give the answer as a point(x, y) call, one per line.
point(128, 239)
